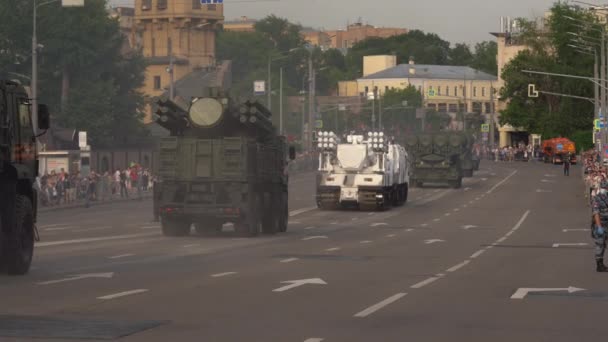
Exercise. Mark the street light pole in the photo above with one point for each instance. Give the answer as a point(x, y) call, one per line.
point(281, 101)
point(34, 80)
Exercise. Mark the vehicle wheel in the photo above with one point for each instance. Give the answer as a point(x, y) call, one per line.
point(406, 191)
point(456, 184)
point(173, 227)
point(250, 226)
point(467, 173)
point(208, 228)
point(18, 246)
point(284, 214)
point(419, 184)
point(270, 221)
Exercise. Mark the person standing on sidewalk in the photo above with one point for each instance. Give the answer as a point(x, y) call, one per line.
point(600, 224)
point(123, 185)
point(567, 165)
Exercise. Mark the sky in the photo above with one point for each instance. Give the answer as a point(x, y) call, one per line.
point(456, 21)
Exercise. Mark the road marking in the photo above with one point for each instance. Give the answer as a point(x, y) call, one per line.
point(121, 256)
point(365, 241)
point(471, 202)
point(459, 266)
point(575, 230)
point(390, 235)
point(502, 239)
point(315, 237)
point(105, 238)
point(333, 249)
point(501, 182)
point(543, 191)
point(467, 189)
point(298, 283)
point(192, 245)
point(380, 305)
point(55, 225)
point(300, 211)
point(468, 226)
point(435, 191)
point(309, 228)
point(313, 339)
point(219, 275)
point(289, 260)
point(456, 209)
point(91, 229)
point(447, 214)
point(522, 292)
point(580, 244)
point(354, 219)
point(79, 277)
point(478, 253)
point(123, 294)
point(57, 229)
point(484, 179)
point(437, 220)
point(370, 214)
point(547, 181)
point(424, 282)
point(379, 224)
point(547, 175)
point(432, 241)
point(409, 230)
point(477, 198)
point(424, 225)
point(334, 223)
point(150, 227)
point(294, 222)
point(465, 205)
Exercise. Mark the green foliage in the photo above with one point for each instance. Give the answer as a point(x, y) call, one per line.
point(549, 115)
point(461, 54)
point(484, 58)
point(81, 64)
point(583, 140)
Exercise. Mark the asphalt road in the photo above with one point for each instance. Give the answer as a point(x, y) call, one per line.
point(506, 258)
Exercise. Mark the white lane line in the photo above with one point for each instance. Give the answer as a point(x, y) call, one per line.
point(465, 205)
point(471, 202)
point(313, 339)
point(365, 241)
point(424, 225)
point(447, 214)
point(436, 190)
point(476, 254)
point(456, 209)
point(192, 245)
point(54, 225)
point(150, 227)
point(501, 182)
point(315, 237)
point(57, 229)
point(370, 214)
point(105, 238)
point(578, 244)
point(91, 229)
point(219, 275)
point(122, 294)
point(502, 239)
point(300, 211)
point(459, 266)
point(390, 235)
point(289, 260)
point(424, 282)
point(409, 230)
point(334, 223)
point(309, 228)
point(437, 220)
point(121, 256)
point(333, 249)
point(378, 224)
point(380, 305)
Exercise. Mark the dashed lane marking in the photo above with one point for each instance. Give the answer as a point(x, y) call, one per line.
point(459, 266)
point(219, 275)
point(476, 254)
point(333, 249)
point(122, 294)
point(456, 210)
point(121, 256)
point(424, 282)
point(314, 339)
point(390, 235)
point(370, 310)
point(97, 239)
point(57, 229)
point(447, 214)
point(289, 260)
point(91, 229)
point(300, 211)
point(309, 228)
point(192, 245)
point(437, 220)
point(314, 237)
point(365, 241)
point(378, 224)
point(501, 182)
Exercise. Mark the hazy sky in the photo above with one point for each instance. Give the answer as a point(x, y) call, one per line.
point(453, 20)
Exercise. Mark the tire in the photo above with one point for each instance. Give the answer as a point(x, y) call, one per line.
point(208, 228)
point(457, 184)
point(406, 191)
point(18, 247)
point(467, 173)
point(270, 221)
point(284, 214)
point(250, 225)
point(173, 227)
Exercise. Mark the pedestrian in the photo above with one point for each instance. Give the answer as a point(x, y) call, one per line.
point(567, 165)
point(124, 192)
point(599, 225)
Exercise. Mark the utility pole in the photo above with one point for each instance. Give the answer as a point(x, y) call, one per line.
point(281, 101)
point(170, 70)
point(269, 83)
point(311, 103)
point(492, 116)
point(34, 80)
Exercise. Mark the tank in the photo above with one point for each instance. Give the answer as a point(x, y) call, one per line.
point(223, 163)
point(369, 172)
point(18, 171)
point(436, 158)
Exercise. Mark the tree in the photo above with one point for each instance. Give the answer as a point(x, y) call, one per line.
point(484, 58)
point(283, 34)
point(460, 55)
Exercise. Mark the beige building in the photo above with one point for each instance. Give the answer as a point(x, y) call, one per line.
point(184, 29)
point(354, 33)
point(242, 24)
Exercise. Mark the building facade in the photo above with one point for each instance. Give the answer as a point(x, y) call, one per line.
point(354, 33)
point(181, 30)
point(242, 24)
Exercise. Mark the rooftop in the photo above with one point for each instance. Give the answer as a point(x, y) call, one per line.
point(427, 71)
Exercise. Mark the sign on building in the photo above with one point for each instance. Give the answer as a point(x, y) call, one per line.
point(82, 139)
point(485, 128)
point(259, 87)
point(432, 93)
point(319, 124)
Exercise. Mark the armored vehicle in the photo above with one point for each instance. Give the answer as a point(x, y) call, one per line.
point(369, 172)
point(437, 158)
point(223, 162)
point(18, 171)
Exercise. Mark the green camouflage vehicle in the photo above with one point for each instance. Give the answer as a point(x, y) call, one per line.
point(466, 153)
point(224, 162)
point(436, 158)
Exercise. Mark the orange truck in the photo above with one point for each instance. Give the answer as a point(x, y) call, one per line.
point(557, 149)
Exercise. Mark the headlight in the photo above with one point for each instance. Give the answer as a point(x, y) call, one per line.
point(206, 112)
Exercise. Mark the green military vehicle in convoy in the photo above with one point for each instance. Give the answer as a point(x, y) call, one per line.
point(18, 171)
point(439, 157)
point(223, 163)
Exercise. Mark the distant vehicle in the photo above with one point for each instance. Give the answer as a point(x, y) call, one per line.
point(18, 172)
point(224, 162)
point(370, 172)
point(557, 149)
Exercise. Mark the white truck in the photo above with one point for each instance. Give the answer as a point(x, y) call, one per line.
point(369, 172)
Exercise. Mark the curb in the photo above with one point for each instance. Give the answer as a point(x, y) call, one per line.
point(93, 204)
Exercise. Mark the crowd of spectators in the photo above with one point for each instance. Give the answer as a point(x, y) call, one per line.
point(594, 172)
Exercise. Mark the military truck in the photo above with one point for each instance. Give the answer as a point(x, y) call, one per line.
point(18, 171)
point(466, 153)
point(437, 158)
point(223, 163)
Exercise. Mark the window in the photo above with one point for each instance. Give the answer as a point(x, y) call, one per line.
point(453, 108)
point(25, 122)
point(447, 91)
point(483, 91)
point(439, 90)
point(474, 91)
point(153, 47)
point(385, 89)
point(488, 107)
point(146, 5)
point(455, 91)
point(162, 4)
point(156, 82)
point(464, 91)
point(211, 7)
point(196, 4)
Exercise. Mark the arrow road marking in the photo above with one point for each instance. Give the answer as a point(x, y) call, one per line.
point(297, 283)
point(79, 277)
point(575, 230)
point(432, 241)
point(579, 244)
point(468, 226)
point(521, 293)
point(315, 237)
point(380, 305)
